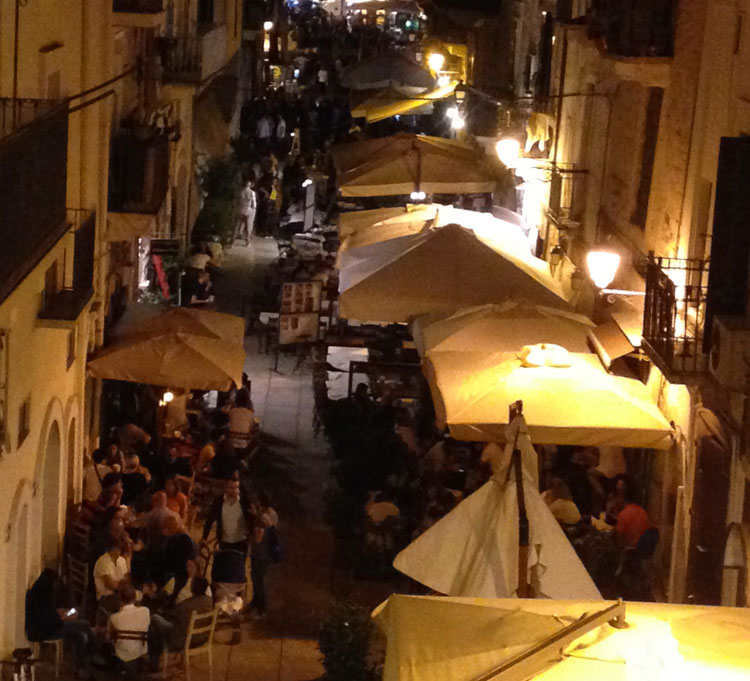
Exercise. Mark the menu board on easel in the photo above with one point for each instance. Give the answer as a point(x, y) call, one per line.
point(301, 296)
point(299, 318)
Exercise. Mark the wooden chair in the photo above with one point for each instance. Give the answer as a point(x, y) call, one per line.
point(131, 635)
point(199, 641)
point(78, 582)
point(185, 484)
point(78, 540)
point(205, 556)
point(57, 643)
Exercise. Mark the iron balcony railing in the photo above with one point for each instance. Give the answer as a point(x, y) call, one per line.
point(67, 303)
point(634, 28)
point(33, 183)
point(138, 173)
point(674, 316)
point(138, 6)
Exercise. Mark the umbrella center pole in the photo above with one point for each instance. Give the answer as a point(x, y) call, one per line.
point(523, 526)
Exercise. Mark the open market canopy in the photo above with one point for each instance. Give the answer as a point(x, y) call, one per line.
point(458, 639)
point(404, 163)
point(377, 105)
point(441, 270)
point(579, 404)
point(387, 70)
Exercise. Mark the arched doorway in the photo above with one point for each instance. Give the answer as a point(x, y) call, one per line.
point(51, 484)
point(72, 465)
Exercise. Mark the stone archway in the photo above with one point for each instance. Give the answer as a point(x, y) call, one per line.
point(50, 497)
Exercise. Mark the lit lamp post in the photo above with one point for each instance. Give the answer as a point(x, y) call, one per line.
point(602, 265)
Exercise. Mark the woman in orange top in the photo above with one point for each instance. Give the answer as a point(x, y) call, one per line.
point(176, 500)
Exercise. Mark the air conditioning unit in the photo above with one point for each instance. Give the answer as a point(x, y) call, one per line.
point(729, 359)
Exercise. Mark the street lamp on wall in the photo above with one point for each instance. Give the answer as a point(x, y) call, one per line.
point(602, 265)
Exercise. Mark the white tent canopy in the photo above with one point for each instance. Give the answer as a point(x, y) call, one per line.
point(441, 270)
point(579, 404)
point(507, 325)
point(473, 551)
point(455, 639)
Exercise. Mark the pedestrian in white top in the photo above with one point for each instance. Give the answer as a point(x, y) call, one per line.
point(248, 205)
point(110, 573)
point(264, 128)
point(130, 618)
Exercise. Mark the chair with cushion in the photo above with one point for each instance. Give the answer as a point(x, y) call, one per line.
point(199, 641)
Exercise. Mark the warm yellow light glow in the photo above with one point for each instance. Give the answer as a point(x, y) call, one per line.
point(436, 61)
point(602, 266)
point(168, 396)
point(451, 112)
point(508, 151)
point(443, 81)
point(458, 123)
point(266, 44)
point(267, 25)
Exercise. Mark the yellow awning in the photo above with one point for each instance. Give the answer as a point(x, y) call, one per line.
point(389, 102)
point(461, 639)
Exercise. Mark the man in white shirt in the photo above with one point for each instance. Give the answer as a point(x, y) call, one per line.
point(93, 475)
point(130, 618)
point(110, 573)
point(233, 517)
point(264, 128)
point(248, 204)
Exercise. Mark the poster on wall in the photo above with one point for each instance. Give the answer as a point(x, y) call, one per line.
point(298, 327)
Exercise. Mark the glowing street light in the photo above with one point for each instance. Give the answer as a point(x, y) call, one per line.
point(451, 113)
point(417, 196)
point(306, 183)
point(443, 81)
point(602, 266)
point(168, 396)
point(268, 25)
point(436, 61)
point(508, 151)
point(458, 123)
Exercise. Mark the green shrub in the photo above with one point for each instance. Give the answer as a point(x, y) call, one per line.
point(344, 640)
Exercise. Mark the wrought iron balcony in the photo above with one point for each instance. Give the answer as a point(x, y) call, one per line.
point(33, 180)
point(674, 317)
point(193, 59)
point(67, 303)
point(634, 28)
point(138, 171)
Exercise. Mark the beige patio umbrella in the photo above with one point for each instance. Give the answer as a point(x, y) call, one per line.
point(405, 163)
point(355, 220)
point(578, 404)
point(175, 360)
point(155, 320)
point(505, 325)
point(441, 270)
point(378, 105)
point(453, 639)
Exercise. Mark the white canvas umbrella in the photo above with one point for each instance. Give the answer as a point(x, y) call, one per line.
point(474, 550)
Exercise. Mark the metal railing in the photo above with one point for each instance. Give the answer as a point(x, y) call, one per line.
point(67, 303)
point(138, 6)
point(33, 181)
point(634, 28)
point(674, 316)
point(138, 174)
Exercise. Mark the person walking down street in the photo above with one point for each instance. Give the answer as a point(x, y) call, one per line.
point(248, 205)
point(280, 133)
point(264, 130)
point(233, 517)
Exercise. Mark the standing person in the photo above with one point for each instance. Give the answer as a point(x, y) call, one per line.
point(248, 205)
point(260, 559)
point(45, 621)
point(233, 517)
point(264, 131)
point(241, 420)
point(93, 475)
point(280, 134)
point(633, 521)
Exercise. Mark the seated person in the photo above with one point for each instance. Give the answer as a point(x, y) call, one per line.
point(46, 621)
point(134, 481)
point(200, 293)
point(174, 628)
point(178, 550)
point(130, 618)
point(241, 420)
point(632, 521)
point(226, 462)
point(560, 502)
point(110, 574)
point(177, 502)
point(192, 571)
point(154, 523)
point(208, 451)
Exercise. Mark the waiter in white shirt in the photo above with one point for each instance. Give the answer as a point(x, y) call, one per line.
point(246, 221)
point(232, 514)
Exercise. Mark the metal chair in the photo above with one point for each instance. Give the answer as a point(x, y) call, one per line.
point(57, 644)
point(78, 582)
point(199, 641)
point(131, 635)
